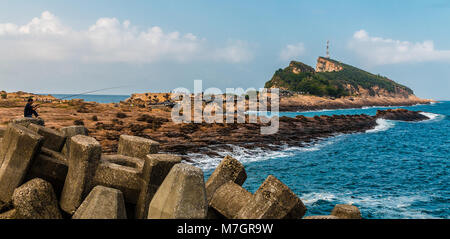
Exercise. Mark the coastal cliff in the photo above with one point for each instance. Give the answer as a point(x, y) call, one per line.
point(327, 65)
point(333, 84)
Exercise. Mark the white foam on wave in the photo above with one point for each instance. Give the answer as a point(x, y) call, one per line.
point(384, 206)
point(432, 117)
point(242, 154)
point(245, 155)
point(382, 125)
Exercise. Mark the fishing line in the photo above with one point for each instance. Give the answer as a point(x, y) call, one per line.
point(93, 91)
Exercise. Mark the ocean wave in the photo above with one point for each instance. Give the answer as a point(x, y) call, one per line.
point(432, 117)
point(245, 155)
point(380, 205)
point(382, 125)
point(242, 154)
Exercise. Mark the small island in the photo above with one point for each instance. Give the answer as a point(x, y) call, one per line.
point(335, 85)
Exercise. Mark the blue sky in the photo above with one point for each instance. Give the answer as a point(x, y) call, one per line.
point(76, 46)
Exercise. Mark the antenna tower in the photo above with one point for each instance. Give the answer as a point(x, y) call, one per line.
point(328, 49)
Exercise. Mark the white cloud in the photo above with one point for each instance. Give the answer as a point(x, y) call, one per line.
point(380, 51)
point(108, 40)
point(292, 51)
point(235, 51)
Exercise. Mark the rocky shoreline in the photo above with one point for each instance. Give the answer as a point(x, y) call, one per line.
point(301, 103)
point(299, 131)
point(106, 122)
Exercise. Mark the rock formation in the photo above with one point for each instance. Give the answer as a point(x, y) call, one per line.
point(326, 65)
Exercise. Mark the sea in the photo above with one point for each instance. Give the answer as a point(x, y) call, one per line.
point(398, 170)
point(94, 98)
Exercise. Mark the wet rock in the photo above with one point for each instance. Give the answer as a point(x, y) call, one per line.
point(273, 200)
point(156, 168)
point(343, 211)
point(401, 114)
point(36, 200)
point(230, 169)
point(102, 203)
point(19, 147)
point(182, 195)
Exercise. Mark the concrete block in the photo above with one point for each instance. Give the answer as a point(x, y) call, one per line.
point(53, 139)
point(19, 147)
point(182, 195)
point(11, 214)
point(25, 121)
point(71, 131)
point(51, 166)
point(156, 168)
point(122, 173)
point(230, 169)
point(273, 200)
point(343, 211)
point(137, 147)
point(102, 203)
point(36, 200)
point(229, 199)
point(84, 157)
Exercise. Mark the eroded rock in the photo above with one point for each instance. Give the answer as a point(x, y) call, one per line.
point(344, 211)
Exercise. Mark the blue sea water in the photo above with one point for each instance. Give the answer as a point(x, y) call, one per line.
point(397, 170)
point(94, 98)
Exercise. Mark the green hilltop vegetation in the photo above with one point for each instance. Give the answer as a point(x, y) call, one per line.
point(333, 84)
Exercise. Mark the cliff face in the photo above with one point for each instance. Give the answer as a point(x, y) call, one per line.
point(327, 65)
point(335, 79)
point(298, 67)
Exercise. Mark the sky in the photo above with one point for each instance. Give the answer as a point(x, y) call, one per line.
point(57, 46)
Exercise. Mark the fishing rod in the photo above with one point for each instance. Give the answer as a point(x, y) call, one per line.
point(93, 91)
point(88, 92)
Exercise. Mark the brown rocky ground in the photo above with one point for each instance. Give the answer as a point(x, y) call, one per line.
point(106, 122)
